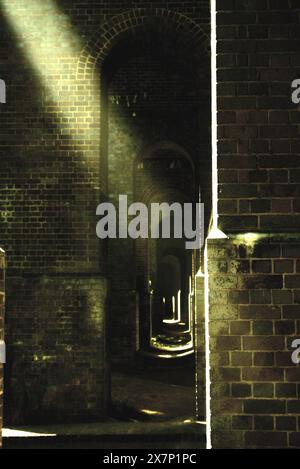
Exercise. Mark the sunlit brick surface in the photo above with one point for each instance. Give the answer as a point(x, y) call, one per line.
point(254, 318)
point(53, 175)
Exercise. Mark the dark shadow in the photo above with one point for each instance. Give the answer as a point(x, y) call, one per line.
point(48, 232)
point(155, 90)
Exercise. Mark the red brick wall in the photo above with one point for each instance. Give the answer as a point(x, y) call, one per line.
point(253, 279)
point(51, 182)
point(53, 175)
point(57, 367)
point(258, 58)
point(48, 221)
point(254, 317)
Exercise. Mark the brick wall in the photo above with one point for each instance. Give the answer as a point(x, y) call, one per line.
point(51, 183)
point(58, 364)
point(258, 58)
point(254, 317)
point(53, 175)
point(51, 122)
point(2, 298)
point(253, 276)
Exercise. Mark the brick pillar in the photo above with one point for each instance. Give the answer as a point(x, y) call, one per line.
point(200, 345)
point(2, 279)
point(254, 285)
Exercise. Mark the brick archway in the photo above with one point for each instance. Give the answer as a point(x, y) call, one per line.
point(98, 48)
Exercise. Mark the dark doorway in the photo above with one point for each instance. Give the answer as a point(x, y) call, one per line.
point(155, 138)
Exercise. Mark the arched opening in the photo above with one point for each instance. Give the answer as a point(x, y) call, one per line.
point(172, 320)
point(165, 173)
point(155, 148)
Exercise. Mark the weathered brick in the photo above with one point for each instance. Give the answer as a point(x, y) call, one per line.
point(260, 312)
point(260, 297)
point(241, 358)
point(283, 266)
point(285, 390)
point(238, 266)
point(242, 422)
point(228, 343)
point(281, 206)
point(290, 312)
point(294, 439)
point(278, 176)
point(286, 423)
point(266, 251)
point(219, 359)
point(285, 327)
point(261, 206)
point(263, 423)
point(263, 328)
point(219, 311)
point(264, 406)
point(262, 282)
point(293, 407)
point(263, 390)
point(226, 374)
point(266, 439)
point(241, 390)
point(282, 297)
point(262, 374)
point(263, 267)
point(283, 359)
point(240, 327)
point(262, 343)
point(264, 359)
point(290, 250)
point(292, 281)
point(238, 297)
point(293, 374)
point(296, 297)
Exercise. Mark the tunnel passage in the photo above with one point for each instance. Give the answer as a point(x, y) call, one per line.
point(164, 267)
point(156, 118)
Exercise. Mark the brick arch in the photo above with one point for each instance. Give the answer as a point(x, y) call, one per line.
point(167, 193)
point(98, 48)
point(173, 147)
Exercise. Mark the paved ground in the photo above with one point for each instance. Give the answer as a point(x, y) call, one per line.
point(155, 394)
point(153, 408)
point(177, 434)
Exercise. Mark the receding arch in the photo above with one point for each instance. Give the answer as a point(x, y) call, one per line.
point(180, 132)
point(169, 148)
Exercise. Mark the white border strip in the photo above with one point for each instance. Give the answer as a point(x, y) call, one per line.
point(214, 231)
point(207, 352)
point(214, 133)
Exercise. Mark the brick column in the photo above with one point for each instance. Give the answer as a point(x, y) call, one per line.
point(200, 345)
point(254, 295)
point(2, 289)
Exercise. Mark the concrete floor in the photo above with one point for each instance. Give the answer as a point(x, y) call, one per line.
point(154, 394)
point(152, 408)
point(109, 435)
